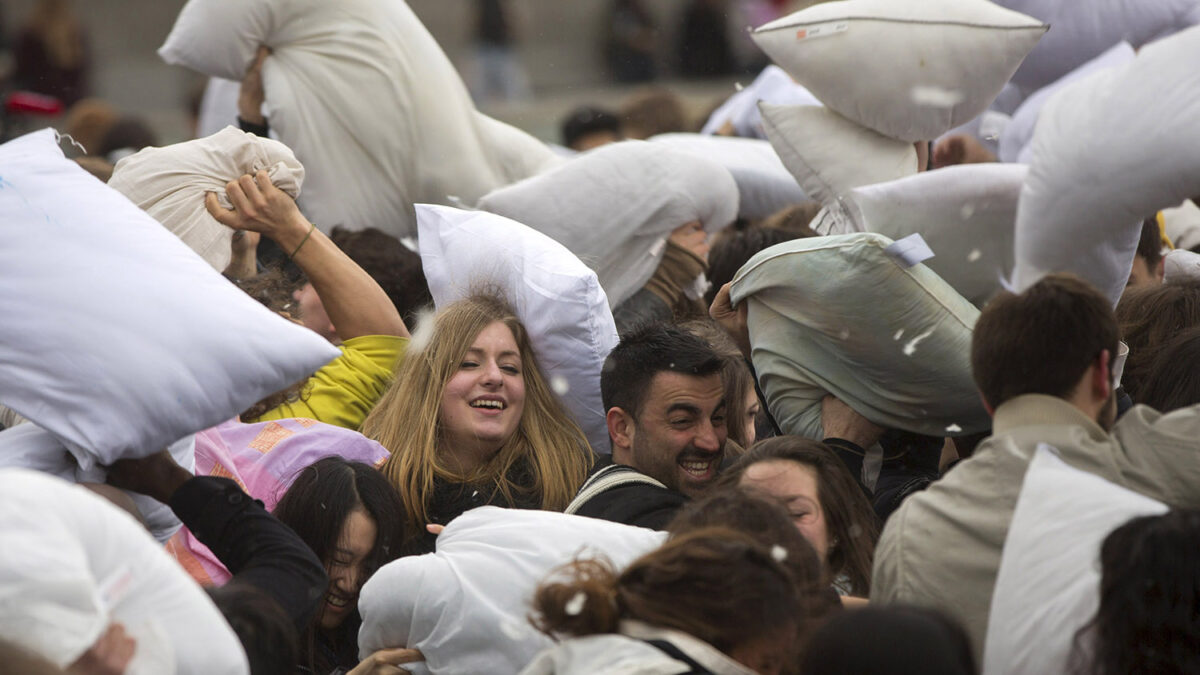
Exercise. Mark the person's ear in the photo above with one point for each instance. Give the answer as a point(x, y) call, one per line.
point(621, 432)
point(1101, 383)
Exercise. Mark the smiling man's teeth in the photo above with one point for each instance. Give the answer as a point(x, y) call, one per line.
point(696, 467)
point(483, 403)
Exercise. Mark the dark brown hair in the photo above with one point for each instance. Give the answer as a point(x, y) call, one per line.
point(1041, 341)
point(715, 584)
point(651, 111)
point(732, 248)
point(850, 521)
point(1151, 244)
point(1149, 317)
point(1173, 380)
point(396, 269)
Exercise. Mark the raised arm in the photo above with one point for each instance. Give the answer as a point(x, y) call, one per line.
point(356, 305)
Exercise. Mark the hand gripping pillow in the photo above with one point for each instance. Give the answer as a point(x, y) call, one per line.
point(170, 182)
point(1015, 139)
point(116, 337)
point(773, 85)
point(467, 606)
point(264, 459)
point(911, 69)
point(829, 155)
point(555, 295)
point(764, 184)
point(615, 206)
point(966, 213)
point(72, 563)
point(838, 315)
point(1108, 152)
point(1048, 585)
point(366, 98)
point(1082, 30)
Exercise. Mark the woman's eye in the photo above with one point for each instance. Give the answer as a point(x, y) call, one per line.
point(511, 370)
point(467, 364)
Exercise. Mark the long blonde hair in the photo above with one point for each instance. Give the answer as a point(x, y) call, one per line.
point(406, 420)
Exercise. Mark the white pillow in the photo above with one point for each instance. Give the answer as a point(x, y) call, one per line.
point(1108, 152)
point(72, 563)
point(1182, 224)
point(1019, 132)
point(218, 106)
point(966, 213)
point(116, 337)
point(29, 446)
point(467, 606)
point(773, 85)
point(828, 154)
point(909, 70)
point(1181, 265)
point(170, 182)
point(1049, 580)
point(367, 99)
point(615, 206)
point(839, 315)
point(555, 295)
point(764, 184)
point(1082, 30)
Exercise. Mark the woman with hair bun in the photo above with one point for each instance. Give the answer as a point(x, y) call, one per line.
point(709, 601)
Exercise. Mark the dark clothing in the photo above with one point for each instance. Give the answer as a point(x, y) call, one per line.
point(36, 71)
point(704, 49)
point(451, 500)
point(255, 547)
point(639, 500)
point(493, 28)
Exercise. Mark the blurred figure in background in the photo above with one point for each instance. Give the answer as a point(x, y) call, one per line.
point(704, 46)
point(586, 127)
point(631, 42)
point(652, 111)
point(497, 72)
point(52, 53)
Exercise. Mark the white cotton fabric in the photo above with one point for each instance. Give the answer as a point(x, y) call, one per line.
point(909, 70)
point(170, 183)
point(1048, 585)
point(838, 315)
point(116, 337)
point(1182, 224)
point(764, 184)
point(218, 106)
point(1082, 30)
point(1014, 142)
point(72, 563)
point(1108, 152)
point(773, 85)
point(829, 155)
point(367, 99)
point(32, 447)
point(556, 296)
point(615, 206)
point(467, 606)
point(966, 213)
point(1181, 265)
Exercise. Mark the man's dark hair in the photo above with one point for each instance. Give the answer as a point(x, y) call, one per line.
point(396, 269)
point(588, 120)
point(647, 351)
point(733, 248)
point(1151, 244)
point(1041, 341)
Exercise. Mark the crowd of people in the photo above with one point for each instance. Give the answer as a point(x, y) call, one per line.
point(370, 518)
